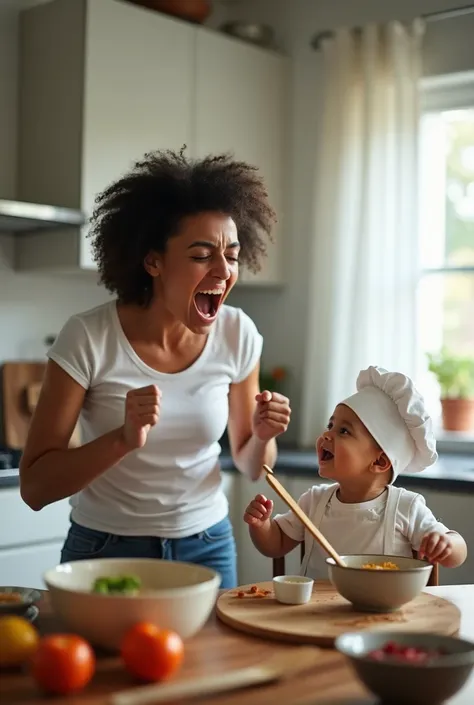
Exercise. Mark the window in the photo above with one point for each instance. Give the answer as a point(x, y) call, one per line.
point(446, 287)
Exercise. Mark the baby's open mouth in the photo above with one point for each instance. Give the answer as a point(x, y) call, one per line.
point(326, 455)
point(207, 302)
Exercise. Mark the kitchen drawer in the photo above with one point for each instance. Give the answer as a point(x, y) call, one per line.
point(24, 566)
point(20, 525)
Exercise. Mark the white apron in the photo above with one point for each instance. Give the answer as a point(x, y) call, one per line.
point(391, 510)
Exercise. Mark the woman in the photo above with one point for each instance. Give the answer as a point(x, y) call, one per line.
point(157, 373)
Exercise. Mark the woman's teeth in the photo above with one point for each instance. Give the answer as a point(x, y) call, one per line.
point(207, 301)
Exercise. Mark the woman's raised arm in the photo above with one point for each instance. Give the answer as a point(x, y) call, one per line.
point(49, 469)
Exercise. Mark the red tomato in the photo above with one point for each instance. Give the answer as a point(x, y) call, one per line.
point(63, 663)
point(151, 653)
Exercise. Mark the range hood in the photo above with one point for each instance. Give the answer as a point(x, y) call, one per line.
point(20, 216)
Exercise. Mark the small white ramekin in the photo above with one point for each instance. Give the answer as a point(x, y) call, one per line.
point(293, 589)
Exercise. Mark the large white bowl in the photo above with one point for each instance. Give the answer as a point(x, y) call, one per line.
point(178, 596)
point(379, 590)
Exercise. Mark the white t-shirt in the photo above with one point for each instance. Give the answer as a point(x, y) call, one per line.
point(359, 528)
point(171, 487)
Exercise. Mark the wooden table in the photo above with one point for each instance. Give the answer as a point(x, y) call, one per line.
point(218, 648)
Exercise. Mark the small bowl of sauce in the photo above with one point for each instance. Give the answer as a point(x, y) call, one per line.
point(17, 600)
point(293, 589)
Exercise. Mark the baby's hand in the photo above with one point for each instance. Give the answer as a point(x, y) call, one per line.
point(436, 548)
point(259, 510)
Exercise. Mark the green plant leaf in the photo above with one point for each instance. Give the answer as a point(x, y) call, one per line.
point(455, 374)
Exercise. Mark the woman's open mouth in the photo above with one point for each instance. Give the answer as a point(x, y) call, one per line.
point(207, 303)
point(326, 455)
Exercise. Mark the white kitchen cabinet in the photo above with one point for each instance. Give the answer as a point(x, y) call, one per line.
point(455, 511)
point(231, 490)
point(101, 84)
point(241, 107)
point(30, 542)
point(24, 566)
point(20, 525)
point(252, 566)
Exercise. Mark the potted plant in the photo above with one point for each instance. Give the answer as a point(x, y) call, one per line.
point(455, 377)
point(273, 379)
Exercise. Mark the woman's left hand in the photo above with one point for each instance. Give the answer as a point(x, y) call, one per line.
point(272, 415)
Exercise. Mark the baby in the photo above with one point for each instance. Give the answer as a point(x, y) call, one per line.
point(371, 437)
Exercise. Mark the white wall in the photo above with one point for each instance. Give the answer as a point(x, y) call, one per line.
point(448, 47)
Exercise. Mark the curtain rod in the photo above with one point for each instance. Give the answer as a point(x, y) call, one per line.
point(428, 17)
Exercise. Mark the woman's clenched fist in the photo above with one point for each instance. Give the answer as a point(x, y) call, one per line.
point(142, 411)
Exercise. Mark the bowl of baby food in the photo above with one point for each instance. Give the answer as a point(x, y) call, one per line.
point(292, 589)
point(374, 583)
point(100, 599)
point(413, 669)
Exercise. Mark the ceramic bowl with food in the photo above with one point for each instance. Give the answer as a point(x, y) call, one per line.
point(292, 589)
point(413, 669)
point(17, 600)
point(376, 583)
point(100, 599)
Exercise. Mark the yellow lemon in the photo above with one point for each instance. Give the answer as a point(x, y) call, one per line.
point(18, 640)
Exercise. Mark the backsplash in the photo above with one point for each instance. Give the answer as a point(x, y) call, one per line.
point(34, 306)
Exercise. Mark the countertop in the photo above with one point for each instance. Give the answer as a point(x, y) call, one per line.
point(217, 650)
point(453, 472)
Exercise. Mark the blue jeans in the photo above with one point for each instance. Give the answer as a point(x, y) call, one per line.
point(213, 548)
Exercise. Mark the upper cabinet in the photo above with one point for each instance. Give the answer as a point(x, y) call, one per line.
point(241, 101)
point(138, 90)
point(102, 83)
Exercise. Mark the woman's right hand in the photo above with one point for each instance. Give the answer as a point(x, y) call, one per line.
point(142, 411)
point(258, 511)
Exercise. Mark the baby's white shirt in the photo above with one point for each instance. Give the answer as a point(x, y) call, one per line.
point(359, 528)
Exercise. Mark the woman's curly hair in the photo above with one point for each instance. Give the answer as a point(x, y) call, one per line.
point(142, 210)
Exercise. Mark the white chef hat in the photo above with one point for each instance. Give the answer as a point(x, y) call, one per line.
point(394, 413)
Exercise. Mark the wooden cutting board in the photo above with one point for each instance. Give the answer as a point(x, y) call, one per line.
point(21, 387)
point(328, 615)
point(17, 378)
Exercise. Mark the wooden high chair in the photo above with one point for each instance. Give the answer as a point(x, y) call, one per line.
point(279, 568)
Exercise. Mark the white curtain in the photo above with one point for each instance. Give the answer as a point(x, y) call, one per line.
point(364, 258)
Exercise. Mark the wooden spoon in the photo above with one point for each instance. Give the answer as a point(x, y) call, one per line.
point(296, 509)
point(280, 666)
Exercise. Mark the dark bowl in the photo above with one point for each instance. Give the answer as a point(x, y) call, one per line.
point(402, 683)
point(27, 597)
